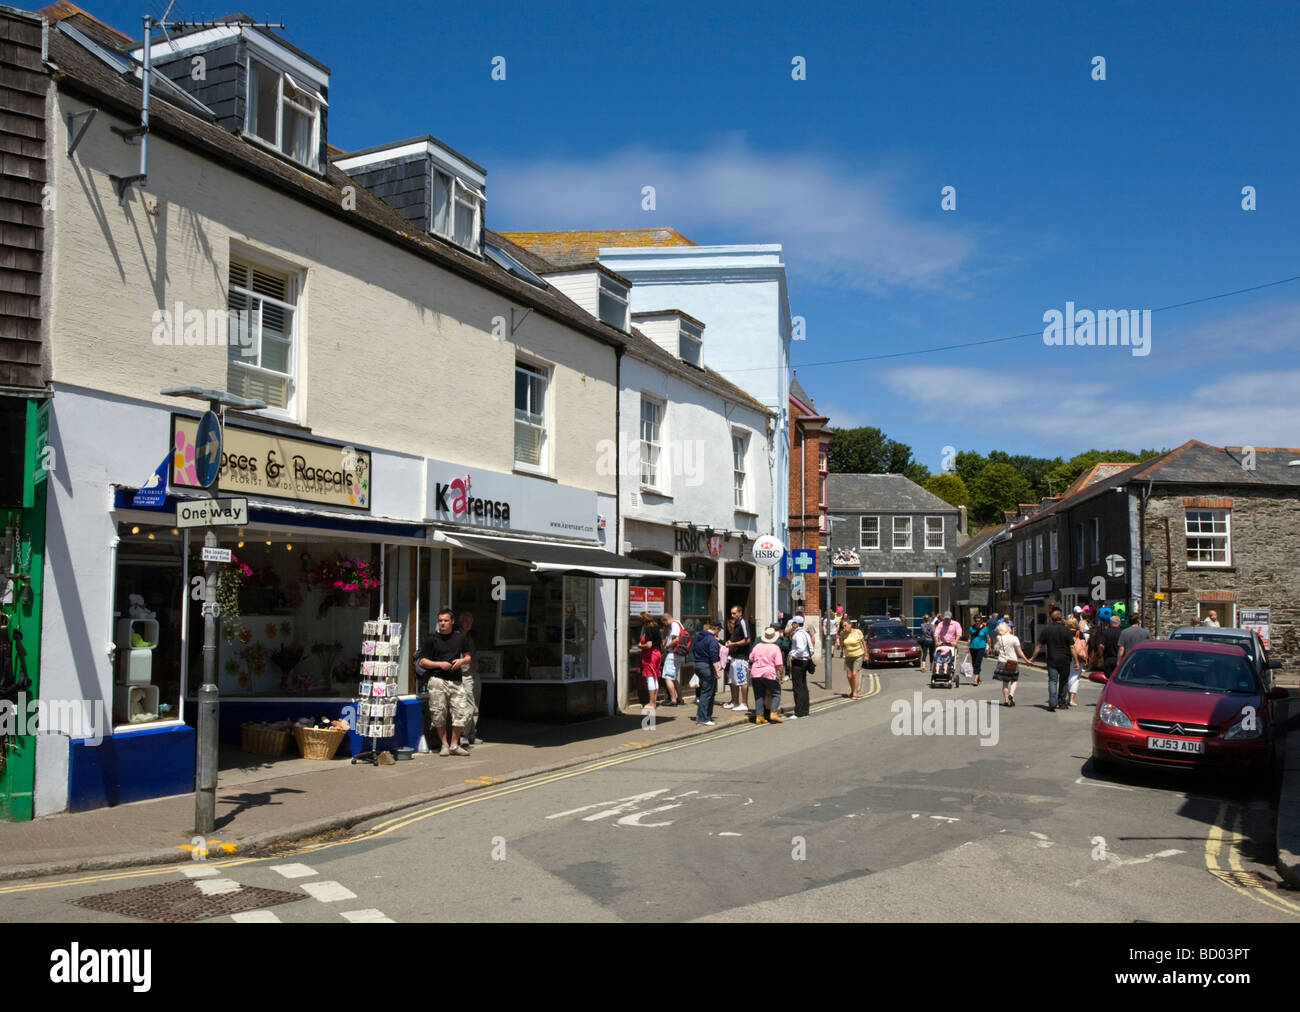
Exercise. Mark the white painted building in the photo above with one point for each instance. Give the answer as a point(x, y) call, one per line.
point(740, 292)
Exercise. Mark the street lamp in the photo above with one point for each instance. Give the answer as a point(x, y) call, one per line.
point(205, 781)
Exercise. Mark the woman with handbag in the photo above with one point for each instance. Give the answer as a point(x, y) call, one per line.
point(1078, 658)
point(1010, 657)
point(979, 630)
point(651, 657)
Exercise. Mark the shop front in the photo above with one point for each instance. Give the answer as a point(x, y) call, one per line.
point(527, 560)
point(708, 572)
point(310, 562)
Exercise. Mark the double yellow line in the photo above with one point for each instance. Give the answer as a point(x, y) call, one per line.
point(1235, 876)
point(641, 751)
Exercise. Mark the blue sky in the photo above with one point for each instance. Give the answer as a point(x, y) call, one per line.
point(1117, 194)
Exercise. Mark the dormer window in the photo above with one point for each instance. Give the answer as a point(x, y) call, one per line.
point(692, 343)
point(284, 112)
point(613, 303)
point(457, 211)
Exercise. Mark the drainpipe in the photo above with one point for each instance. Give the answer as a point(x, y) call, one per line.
point(615, 705)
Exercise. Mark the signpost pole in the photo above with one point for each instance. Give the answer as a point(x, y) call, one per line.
point(830, 597)
point(205, 781)
point(1156, 633)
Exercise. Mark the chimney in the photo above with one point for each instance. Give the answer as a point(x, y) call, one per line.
point(961, 519)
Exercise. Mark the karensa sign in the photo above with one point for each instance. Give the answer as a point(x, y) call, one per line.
point(489, 499)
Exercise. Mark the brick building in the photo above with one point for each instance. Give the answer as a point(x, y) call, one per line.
point(810, 439)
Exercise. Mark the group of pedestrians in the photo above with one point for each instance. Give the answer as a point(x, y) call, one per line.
point(728, 653)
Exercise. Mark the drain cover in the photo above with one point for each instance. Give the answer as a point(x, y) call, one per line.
point(175, 902)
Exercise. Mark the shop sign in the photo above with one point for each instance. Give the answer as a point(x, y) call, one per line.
point(805, 560)
point(212, 513)
point(275, 466)
point(768, 550)
point(490, 499)
point(715, 545)
point(649, 599)
point(1257, 619)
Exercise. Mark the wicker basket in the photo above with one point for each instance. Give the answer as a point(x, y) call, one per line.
point(318, 743)
point(260, 740)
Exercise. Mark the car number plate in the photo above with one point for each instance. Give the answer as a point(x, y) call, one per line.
point(1176, 745)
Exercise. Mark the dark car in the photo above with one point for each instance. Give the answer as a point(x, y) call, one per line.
point(1247, 639)
point(889, 642)
point(1182, 704)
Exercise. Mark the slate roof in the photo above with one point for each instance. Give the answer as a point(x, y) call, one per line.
point(1193, 463)
point(84, 22)
point(1094, 474)
point(881, 493)
point(87, 76)
point(569, 248)
point(797, 390)
point(978, 541)
point(636, 342)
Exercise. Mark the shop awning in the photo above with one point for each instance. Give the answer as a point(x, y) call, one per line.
point(554, 557)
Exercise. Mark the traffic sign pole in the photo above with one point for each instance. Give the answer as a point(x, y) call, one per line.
point(208, 447)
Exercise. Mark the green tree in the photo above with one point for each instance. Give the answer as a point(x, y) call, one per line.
point(1065, 472)
point(997, 488)
point(969, 463)
point(948, 487)
point(867, 450)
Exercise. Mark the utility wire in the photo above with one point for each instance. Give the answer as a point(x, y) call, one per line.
point(1014, 337)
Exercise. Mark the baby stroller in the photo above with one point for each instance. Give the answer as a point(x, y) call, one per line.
point(944, 671)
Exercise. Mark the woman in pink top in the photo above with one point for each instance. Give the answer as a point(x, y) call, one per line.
point(765, 669)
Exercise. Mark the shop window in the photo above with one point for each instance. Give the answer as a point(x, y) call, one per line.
point(293, 606)
point(538, 629)
point(148, 630)
point(697, 592)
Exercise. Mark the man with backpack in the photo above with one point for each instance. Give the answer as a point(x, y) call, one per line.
point(673, 654)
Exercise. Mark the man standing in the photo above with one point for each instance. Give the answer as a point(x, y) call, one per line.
point(1211, 620)
point(1056, 640)
point(470, 680)
point(1110, 635)
point(801, 651)
point(708, 659)
point(445, 655)
point(739, 641)
point(672, 636)
point(1132, 636)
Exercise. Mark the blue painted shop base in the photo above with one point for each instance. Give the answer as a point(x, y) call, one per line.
point(159, 762)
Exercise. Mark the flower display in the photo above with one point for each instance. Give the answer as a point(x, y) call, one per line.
point(340, 576)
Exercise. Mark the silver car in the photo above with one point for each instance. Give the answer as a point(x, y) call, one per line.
point(1247, 639)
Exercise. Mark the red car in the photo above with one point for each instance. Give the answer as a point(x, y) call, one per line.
point(889, 642)
point(1184, 705)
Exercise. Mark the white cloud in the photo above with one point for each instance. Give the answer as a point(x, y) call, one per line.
point(839, 225)
point(1246, 408)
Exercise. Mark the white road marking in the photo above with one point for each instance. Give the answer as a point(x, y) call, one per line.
point(1040, 836)
point(1114, 861)
point(293, 870)
point(370, 916)
point(730, 834)
point(945, 818)
point(635, 818)
point(328, 892)
point(255, 917)
point(199, 871)
point(1113, 787)
point(218, 886)
point(620, 805)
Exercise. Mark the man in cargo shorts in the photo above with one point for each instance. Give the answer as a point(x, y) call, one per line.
point(472, 684)
point(445, 655)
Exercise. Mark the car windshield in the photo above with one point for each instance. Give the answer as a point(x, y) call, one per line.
point(889, 631)
point(1173, 669)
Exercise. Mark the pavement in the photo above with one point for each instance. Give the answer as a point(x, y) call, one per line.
point(267, 802)
point(264, 803)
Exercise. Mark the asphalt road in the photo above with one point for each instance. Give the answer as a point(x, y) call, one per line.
point(834, 817)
